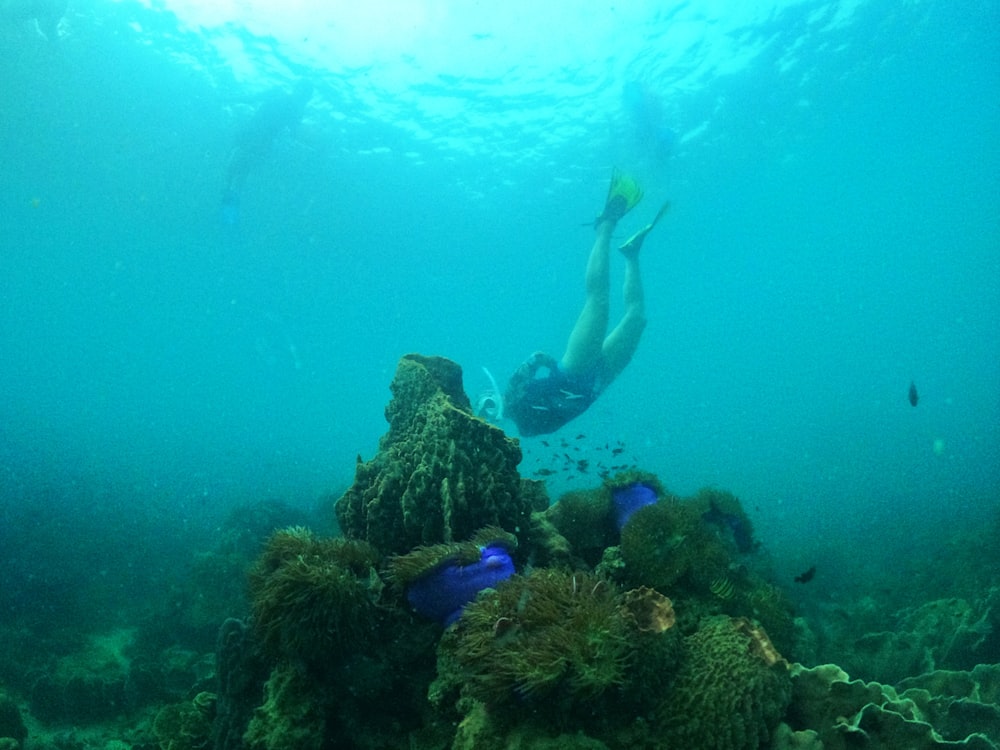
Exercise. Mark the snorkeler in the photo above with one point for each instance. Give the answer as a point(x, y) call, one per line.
point(45, 13)
point(279, 111)
point(543, 394)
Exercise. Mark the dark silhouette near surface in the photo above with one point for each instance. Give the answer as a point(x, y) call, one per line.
point(281, 110)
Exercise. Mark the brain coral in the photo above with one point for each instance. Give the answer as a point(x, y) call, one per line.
point(440, 472)
point(731, 690)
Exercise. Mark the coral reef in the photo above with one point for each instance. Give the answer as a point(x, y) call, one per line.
point(546, 635)
point(87, 685)
point(583, 649)
point(940, 634)
point(666, 542)
point(934, 711)
point(314, 599)
point(293, 715)
point(649, 610)
point(11, 724)
point(583, 518)
point(627, 499)
point(958, 703)
point(723, 509)
point(440, 472)
point(186, 725)
point(441, 579)
point(872, 641)
point(731, 689)
point(242, 672)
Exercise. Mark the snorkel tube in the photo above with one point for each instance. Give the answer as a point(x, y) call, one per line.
point(489, 404)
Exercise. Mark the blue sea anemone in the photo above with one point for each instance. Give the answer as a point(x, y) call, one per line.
point(629, 498)
point(441, 593)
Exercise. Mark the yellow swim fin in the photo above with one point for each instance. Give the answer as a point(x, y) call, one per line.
point(623, 195)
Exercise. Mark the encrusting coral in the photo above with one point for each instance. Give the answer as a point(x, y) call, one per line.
point(292, 717)
point(440, 472)
point(186, 725)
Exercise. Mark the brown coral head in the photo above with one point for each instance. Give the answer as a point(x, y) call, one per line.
point(760, 643)
point(650, 610)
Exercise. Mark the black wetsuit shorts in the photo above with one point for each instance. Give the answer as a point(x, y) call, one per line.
point(541, 398)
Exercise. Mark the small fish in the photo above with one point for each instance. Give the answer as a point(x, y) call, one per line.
point(617, 451)
point(913, 395)
point(807, 576)
point(544, 472)
point(581, 436)
point(722, 587)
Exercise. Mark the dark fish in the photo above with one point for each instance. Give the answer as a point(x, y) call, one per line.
point(807, 576)
point(913, 395)
point(581, 436)
point(544, 472)
point(617, 451)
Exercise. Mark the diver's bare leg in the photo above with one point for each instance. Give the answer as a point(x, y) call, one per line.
point(622, 342)
point(583, 350)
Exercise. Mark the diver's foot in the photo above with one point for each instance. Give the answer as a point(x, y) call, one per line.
point(631, 246)
point(623, 195)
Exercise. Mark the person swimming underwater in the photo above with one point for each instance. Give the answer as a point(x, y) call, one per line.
point(45, 13)
point(281, 110)
point(544, 394)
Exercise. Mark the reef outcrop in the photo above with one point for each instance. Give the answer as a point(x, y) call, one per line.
point(460, 611)
point(440, 473)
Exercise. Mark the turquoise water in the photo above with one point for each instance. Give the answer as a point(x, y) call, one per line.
point(834, 174)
